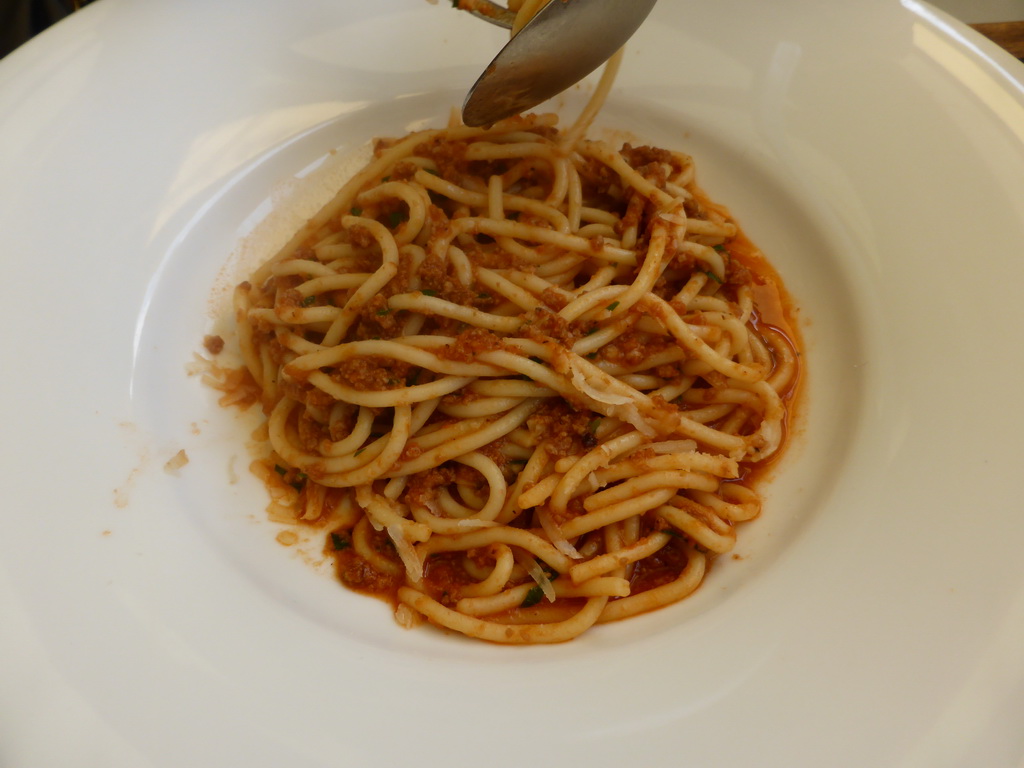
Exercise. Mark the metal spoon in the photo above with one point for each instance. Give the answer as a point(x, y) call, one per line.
point(562, 44)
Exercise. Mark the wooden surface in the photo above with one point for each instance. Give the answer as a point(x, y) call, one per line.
point(1008, 34)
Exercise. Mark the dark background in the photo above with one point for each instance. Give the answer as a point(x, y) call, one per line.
point(21, 19)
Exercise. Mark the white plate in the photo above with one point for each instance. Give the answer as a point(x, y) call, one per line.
point(875, 151)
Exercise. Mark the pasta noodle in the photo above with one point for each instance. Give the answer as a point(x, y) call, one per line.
point(521, 378)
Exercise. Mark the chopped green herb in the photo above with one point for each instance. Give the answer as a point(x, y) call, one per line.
point(673, 532)
point(535, 359)
point(720, 248)
point(550, 571)
point(356, 210)
point(592, 331)
point(298, 486)
point(534, 596)
point(301, 477)
point(591, 356)
point(395, 218)
point(339, 542)
point(383, 311)
point(434, 171)
point(359, 451)
point(280, 470)
point(611, 307)
point(593, 425)
point(308, 301)
point(483, 295)
point(713, 276)
point(428, 292)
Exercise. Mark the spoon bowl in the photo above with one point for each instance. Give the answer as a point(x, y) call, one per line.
point(563, 43)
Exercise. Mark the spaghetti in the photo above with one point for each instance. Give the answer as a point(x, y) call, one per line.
point(520, 378)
